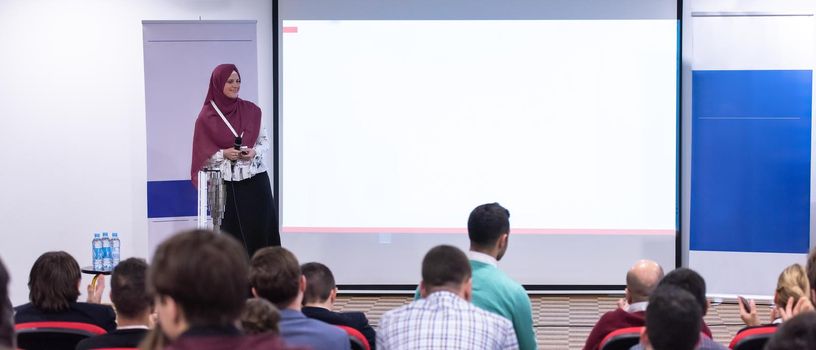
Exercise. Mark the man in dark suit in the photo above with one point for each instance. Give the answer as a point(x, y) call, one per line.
point(133, 308)
point(53, 285)
point(319, 297)
point(672, 320)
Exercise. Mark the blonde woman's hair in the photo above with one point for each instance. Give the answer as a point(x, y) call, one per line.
point(793, 282)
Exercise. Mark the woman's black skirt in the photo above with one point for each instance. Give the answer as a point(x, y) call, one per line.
point(250, 214)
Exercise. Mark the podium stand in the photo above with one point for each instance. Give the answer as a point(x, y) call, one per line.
point(211, 199)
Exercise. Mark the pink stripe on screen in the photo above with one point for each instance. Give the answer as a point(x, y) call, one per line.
point(290, 29)
point(462, 230)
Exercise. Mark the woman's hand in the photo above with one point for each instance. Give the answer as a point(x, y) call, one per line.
point(231, 154)
point(750, 318)
point(95, 289)
point(792, 309)
point(247, 154)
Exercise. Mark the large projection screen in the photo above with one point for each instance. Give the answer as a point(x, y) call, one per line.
point(397, 118)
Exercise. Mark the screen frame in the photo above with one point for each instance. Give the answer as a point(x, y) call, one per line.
point(531, 288)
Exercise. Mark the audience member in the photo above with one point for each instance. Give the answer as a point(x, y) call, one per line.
point(641, 281)
point(7, 336)
point(133, 307)
point(791, 286)
point(444, 318)
point(811, 273)
point(275, 276)
point(259, 316)
point(672, 320)
point(53, 286)
point(198, 279)
point(690, 281)
point(795, 334)
point(493, 290)
point(319, 297)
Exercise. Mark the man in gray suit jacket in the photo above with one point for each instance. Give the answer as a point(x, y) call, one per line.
point(275, 276)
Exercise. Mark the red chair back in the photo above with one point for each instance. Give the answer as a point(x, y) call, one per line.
point(54, 335)
point(752, 338)
point(623, 338)
point(358, 340)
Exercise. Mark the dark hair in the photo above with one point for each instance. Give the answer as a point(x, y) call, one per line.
point(7, 337)
point(204, 273)
point(794, 334)
point(319, 282)
point(259, 316)
point(4, 281)
point(811, 268)
point(53, 283)
point(673, 319)
point(443, 266)
point(128, 288)
point(487, 223)
point(690, 281)
point(274, 272)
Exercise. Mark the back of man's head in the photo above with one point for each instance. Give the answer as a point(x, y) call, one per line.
point(690, 281)
point(642, 279)
point(319, 282)
point(275, 275)
point(673, 319)
point(129, 289)
point(445, 267)
point(53, 283)
point(487, 223)
point(795, 334)
point(204, 273)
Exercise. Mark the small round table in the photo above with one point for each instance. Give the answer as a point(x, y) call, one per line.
point(90, 270)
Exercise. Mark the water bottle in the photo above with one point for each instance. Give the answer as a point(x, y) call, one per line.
point(96, 246)
point(107, 264)
point(115, 253)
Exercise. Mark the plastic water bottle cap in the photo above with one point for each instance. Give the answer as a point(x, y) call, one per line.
point(115, 234)
point(104, 234)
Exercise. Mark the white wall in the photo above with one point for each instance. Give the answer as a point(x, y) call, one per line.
point(73, 122)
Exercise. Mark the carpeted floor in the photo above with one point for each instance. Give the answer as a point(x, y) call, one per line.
point(561, 321)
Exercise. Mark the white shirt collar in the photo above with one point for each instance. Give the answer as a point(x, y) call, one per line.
point(636, 307)
point(482, 257)
point(132, 327)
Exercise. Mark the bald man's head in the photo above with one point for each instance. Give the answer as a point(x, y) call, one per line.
point(642, 279)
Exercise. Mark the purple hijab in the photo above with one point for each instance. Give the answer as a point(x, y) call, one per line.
point(211, 134)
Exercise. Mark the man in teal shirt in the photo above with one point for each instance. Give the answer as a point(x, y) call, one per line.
point(493, 290)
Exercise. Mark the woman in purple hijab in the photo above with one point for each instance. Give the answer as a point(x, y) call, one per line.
point(249, 215)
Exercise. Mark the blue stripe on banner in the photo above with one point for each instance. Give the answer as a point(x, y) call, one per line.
point(171, 199)
point(750, 162)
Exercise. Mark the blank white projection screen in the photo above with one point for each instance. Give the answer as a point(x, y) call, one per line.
point(393, 130)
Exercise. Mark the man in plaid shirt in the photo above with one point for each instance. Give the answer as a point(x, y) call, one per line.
point(444, 318)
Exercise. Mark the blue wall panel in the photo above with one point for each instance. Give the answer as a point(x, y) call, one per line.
point(171, 199)
point(750, 165)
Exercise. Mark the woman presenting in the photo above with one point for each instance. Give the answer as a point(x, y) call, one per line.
point(224, 121)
